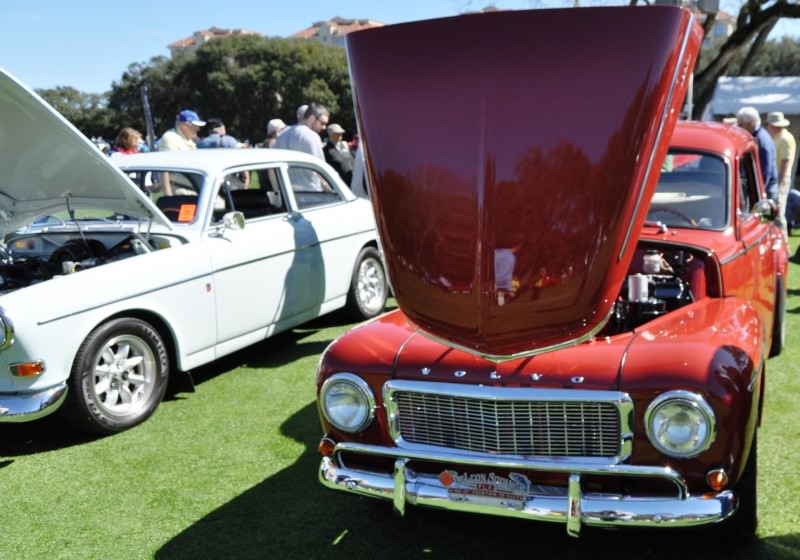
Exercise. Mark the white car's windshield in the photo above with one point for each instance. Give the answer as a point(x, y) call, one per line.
point(692, 192)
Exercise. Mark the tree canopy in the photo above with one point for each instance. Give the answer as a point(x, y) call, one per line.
point(247, 80)
point(243, 80)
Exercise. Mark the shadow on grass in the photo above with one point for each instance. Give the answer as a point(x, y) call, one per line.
point(49, 433)
point(290, 515)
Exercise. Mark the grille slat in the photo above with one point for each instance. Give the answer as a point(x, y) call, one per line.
point(541, 428)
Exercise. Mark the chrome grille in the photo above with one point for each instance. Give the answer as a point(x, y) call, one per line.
point(551, 428)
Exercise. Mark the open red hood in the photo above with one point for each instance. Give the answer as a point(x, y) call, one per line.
point(512, 157)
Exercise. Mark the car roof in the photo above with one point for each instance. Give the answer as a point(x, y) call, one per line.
point(710, 136)
point(212, 161)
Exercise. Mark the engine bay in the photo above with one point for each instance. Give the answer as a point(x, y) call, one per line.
point(33, 258)
point(660, 280)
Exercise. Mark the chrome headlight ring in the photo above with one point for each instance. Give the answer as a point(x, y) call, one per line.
point(680, 424)
point(6, 330)
point(347, 402)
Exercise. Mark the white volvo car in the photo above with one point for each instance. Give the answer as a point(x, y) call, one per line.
point(117, 273)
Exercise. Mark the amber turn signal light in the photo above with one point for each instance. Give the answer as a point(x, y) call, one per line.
point(717, 479)
point(326, 447)
point(27, 369)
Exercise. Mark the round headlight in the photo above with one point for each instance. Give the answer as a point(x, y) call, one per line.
point(347, 402)
point(680, 424)
point(6, 331)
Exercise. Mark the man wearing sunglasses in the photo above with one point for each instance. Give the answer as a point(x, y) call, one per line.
point(305, 135)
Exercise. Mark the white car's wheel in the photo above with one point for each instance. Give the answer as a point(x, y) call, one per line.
point(118, 377)
point(368, 287)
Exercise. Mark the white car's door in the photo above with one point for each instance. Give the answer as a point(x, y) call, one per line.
point(332, 230)
point(251, 266)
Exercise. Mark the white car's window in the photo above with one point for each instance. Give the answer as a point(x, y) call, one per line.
point(175, 192)
point(311, 188)
point(692, 192)
point(253, 192)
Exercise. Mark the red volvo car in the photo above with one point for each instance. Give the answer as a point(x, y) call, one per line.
point(588, 289)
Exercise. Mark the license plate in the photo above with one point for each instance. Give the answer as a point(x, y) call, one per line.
point(487, 489)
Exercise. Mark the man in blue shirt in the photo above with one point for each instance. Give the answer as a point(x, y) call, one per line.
point(218, 137)
point(749, 119)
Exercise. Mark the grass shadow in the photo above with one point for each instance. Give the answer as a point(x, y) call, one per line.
point(50, 434)
point(291, 515)
point(46, 434)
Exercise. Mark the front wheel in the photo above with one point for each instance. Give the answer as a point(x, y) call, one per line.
point(368, 286)
point(118, 378)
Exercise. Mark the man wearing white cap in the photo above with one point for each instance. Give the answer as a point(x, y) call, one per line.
point(785, 148)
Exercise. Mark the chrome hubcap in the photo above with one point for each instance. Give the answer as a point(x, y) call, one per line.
point(123, 375)
point(371, 292)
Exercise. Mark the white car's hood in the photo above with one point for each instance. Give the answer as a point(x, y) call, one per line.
point(48, 166)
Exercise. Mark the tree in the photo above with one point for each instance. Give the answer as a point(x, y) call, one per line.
point(248, 80)
point(245, 80)
point(756, 19)
point(86, 111)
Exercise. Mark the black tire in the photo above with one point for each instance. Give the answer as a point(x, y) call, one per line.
point(118, 378)
point(779, 320)
point(368, 286)
point(744, 522)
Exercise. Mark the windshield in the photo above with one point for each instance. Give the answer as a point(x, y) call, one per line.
point(692, 192)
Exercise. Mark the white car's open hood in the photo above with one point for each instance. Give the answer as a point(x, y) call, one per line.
point(47, 165)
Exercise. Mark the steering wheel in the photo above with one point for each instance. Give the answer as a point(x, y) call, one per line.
point(670, 210)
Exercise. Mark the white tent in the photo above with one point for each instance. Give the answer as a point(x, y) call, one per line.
point(765, 93)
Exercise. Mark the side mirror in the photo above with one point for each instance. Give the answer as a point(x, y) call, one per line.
point(233, 220)
point(766, 210)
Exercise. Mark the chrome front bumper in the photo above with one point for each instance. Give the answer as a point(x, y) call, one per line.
point(24, 407)
point(570, 506)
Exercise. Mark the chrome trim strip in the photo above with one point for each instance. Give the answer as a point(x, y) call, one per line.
point(745, 249)
point(593, 509)
point(622, 401)
point(678, 69)
point(20, 407)
point(208, 274)
point(515, 462)
point(526, 354)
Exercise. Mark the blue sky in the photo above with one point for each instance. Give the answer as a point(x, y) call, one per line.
point(87, 44)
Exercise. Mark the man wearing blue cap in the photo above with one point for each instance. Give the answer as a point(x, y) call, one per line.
point(182, 137)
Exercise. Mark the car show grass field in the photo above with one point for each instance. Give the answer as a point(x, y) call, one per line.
point(230, 471)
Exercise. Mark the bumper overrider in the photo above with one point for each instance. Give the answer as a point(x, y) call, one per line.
point(506, 497)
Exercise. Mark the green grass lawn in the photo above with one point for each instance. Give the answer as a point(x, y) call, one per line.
point(230, 471)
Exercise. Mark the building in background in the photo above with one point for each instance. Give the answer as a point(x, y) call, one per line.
point(333, 31)
point(190, 44)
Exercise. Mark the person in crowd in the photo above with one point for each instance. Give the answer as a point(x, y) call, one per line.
point(337, 153)
point(304, 136)
point(274, 128)
point(129, 141)
point(218, 136)
point(184, 134)
point(749, 119)
point(180, 138)
point(301, 113)
point(785, 148)
point(792, 210)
